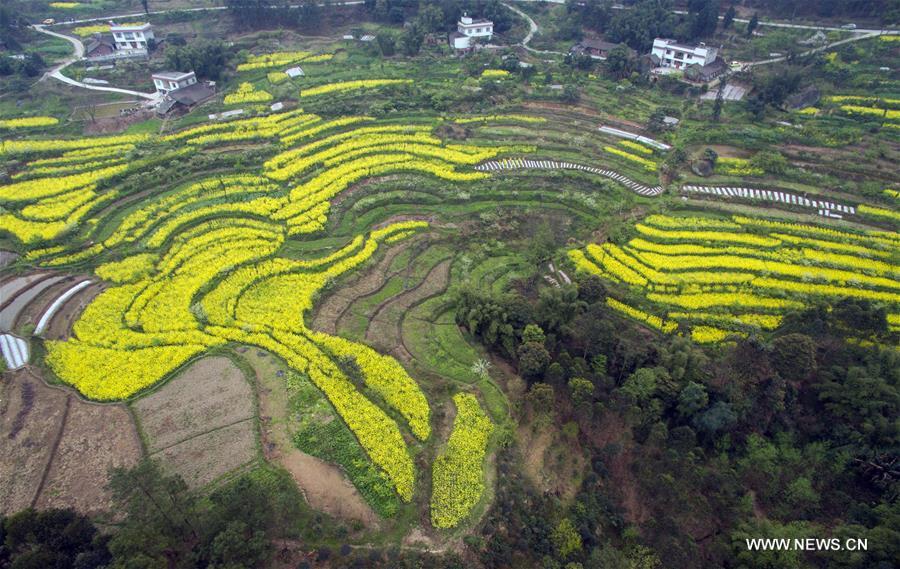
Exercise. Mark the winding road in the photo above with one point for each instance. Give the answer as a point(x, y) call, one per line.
point(532, 29)
point(56, 71)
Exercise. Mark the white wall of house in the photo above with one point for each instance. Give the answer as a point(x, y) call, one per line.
point(475, 29)
point(679, 56)
point(167, 84)
point(131, 37)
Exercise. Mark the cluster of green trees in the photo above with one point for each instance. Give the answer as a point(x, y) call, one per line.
point(420, 18)
point(887, 11)
point(440, 15)
point(244, 524)
point(792, 434)
point(164, 524)
point(254, 14)
point(12, 36)
point(209, 59)
point(30, 66)
point(649, 19)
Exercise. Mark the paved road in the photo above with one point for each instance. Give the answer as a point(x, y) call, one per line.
point(532, 29)
point(862, 36)
point(56, 71)
point(761, 22)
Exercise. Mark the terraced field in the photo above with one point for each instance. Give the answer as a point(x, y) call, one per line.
point(718, 278)
point(197, 266)
point(333, 244)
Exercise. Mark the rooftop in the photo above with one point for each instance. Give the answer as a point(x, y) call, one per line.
point(192, 94)
point(128, 27)
point(678, 45)
point(468, 21)
point(172, 75)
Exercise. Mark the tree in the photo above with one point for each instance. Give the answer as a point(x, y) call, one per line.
point(656, 122)
point(411, 39)
point(162, 515)
point(542, 245)
point(591, 289)
point(717, 418)
point(387, 43)
point(704, 17)
point(32, 65)
point(51, 538)
point(728, 20)
point(533, 359)
point(752, 25)
point(599, 364)
point(582, 391)
point(533, 333)
point(566, 539)
point(769, 161)
point(720, 101)
point(206, 59)
point(430, 18)
point(642, 383)
point(541, 397)
point(692, 399)
point(619, 64)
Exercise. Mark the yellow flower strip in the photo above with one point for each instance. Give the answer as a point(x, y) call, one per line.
point(344, 86)
point(867, 239)
point(709, 300)
point(694, 262)
point(28, 122)
point(26, 146)
point(33, 190)
point(741, 238)
point(458, 471)
point(648, 165)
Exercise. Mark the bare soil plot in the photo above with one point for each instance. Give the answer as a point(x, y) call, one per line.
point(95, 439)
point(202, 422)
point(31, 417)
point(210, 394)
point(553, 464)
point(324, 485)
point(332, 308)
point(206, 457)
point(57, 449)
point(384, 332)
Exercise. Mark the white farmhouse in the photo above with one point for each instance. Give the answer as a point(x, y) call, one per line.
point(131, 37)
point(167, 81)
point(670, 53)
point(468, 28)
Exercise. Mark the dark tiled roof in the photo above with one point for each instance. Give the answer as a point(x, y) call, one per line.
point(716, 66)
point(599, 45)
point(192, 94)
